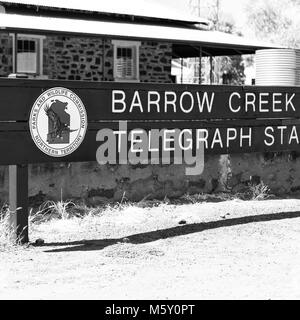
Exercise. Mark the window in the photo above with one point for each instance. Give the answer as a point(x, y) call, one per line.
point(28, 49)
point(126, 62)
point(27, 56)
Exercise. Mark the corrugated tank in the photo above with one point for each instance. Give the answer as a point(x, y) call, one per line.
point(278, 67)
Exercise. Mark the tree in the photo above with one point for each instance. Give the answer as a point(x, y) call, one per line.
point(228, 70)
point(231, 68)
point(275, 21)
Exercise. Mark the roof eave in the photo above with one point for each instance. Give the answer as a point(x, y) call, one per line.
point(74, 27)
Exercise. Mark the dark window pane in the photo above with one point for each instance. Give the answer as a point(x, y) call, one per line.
point(124, 53)
point(26, 46)
point(32, 46)
point(119, 52)
point(129, 53)
point(20, 45)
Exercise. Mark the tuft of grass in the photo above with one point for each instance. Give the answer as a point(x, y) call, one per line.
point(7, 231)
point(54, 209)
point(205, 197)
point(251, 192)
point(259, 191)
point(60, 209)
point(67, 210)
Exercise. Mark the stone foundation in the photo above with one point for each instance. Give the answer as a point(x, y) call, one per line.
point(96, 184)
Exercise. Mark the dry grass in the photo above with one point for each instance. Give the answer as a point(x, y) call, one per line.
point(259, 191)
point(252, 191)
point(8, 239)
point(5, 228)
point(66, 210)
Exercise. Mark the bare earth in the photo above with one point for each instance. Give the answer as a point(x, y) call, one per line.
point(251, 253)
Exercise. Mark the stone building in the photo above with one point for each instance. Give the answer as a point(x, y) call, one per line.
point(128, 45)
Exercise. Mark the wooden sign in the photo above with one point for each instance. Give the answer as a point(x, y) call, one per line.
point(232, 119)
point(48, 121)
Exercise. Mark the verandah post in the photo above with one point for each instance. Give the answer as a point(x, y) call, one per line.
point(18, 201)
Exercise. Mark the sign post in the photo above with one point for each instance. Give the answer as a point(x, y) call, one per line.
point(18, 201)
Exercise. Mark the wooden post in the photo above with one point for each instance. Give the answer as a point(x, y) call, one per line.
point(15, 66)
point(211, 69)
point(18, 201)
point(181, 70)
point(200, 65)
point(103, 59)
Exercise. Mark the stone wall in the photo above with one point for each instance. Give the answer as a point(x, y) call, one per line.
point(94, 184)
point(77, 58)
point(155, 62)
point(6, 55)
point(74, 58)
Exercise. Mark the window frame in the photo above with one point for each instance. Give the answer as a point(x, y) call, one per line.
point(135, 46)
point(39, 52)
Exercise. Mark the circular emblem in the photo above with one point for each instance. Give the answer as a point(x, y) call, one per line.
point(58, 122)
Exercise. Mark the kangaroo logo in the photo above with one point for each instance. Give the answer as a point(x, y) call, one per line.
point(58, 122)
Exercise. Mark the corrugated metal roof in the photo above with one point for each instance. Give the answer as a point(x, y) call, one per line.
point(116, 30)
point(141, 8)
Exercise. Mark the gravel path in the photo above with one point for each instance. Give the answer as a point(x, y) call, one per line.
point(226, 250)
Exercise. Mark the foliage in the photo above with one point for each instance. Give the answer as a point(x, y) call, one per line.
point(259, 191)
point(232, 70)
point(229, 69)
point(275, 21)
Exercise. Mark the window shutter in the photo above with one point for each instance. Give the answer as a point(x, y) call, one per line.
point(125, 63)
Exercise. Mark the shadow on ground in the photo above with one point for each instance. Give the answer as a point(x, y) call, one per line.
point(90, 245)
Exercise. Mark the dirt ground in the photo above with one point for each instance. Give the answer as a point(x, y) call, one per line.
point(226, 250)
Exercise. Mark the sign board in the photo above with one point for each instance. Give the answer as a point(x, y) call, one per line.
point(46, 121)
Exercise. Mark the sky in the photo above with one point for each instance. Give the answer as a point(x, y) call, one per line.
point(234, 9)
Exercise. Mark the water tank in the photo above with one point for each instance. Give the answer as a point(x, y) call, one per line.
point(277, 67)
